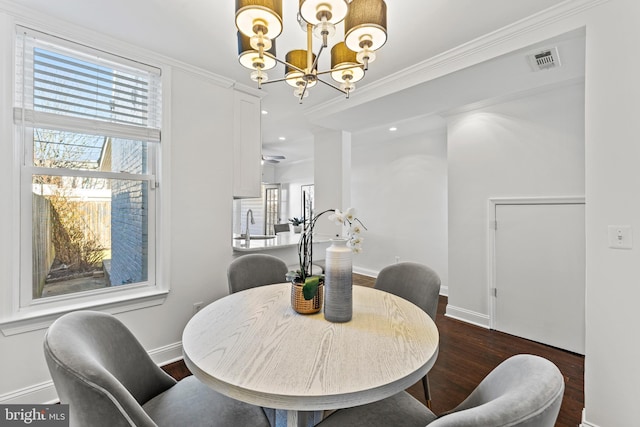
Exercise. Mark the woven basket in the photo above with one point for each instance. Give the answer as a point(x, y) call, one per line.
point(302, 305)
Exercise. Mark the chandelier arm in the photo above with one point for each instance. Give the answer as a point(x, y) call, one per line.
point(333, 86)
point(315, 62)
point(284, 79)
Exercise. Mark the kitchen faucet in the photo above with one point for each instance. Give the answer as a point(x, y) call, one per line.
point(247, 236)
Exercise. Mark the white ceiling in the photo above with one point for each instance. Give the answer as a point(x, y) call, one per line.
point(202, 33)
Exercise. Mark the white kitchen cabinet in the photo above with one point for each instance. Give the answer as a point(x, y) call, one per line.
point(247, 146)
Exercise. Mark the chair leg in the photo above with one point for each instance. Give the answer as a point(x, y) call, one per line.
point(427, 392)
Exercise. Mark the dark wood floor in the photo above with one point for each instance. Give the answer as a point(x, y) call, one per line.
point(468, 353)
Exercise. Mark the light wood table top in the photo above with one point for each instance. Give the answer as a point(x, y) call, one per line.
point(254, 347)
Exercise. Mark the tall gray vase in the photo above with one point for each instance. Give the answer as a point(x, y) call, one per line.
point(338, 295)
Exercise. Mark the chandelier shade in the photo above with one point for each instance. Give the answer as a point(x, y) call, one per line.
point(250, 57)
point(297, 68)
point(254, 17)
point(317, 11)
point(345, 64)
point(365, 26)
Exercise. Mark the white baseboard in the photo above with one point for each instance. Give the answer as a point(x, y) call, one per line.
point(365, 272)
point(468, 316)
point(584, 422)
point(45, 392)
point(167, 354)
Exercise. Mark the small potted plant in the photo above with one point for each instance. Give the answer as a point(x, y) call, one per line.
point(296, 224)
point(306, 289)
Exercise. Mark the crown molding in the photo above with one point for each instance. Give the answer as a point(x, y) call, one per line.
point(473, 52)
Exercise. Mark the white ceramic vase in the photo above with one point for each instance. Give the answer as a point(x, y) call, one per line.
point(338, 294)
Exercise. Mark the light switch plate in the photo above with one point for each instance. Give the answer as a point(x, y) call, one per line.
point(620, 237)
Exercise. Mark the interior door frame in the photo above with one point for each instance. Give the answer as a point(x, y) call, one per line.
point(492, 204)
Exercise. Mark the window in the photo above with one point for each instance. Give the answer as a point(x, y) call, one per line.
point(88, 124)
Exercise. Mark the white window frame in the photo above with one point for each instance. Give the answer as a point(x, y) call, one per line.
point(20, 314)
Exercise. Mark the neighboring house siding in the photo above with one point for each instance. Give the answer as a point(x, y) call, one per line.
point(129, 231)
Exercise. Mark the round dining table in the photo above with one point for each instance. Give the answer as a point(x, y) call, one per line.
point(252, 346)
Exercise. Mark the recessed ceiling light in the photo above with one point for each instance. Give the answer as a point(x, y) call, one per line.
point(264, 112)
point(282, 138)
point(393, 129)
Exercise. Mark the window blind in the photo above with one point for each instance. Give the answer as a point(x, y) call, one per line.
point(60, 87)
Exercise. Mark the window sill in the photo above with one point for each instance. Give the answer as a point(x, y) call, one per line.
point(22, 322)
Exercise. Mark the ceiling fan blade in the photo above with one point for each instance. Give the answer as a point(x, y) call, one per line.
point(272, 159)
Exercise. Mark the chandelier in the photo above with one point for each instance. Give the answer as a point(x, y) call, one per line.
point(259, 23)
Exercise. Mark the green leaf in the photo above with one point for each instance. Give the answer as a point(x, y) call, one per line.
point(310, 287)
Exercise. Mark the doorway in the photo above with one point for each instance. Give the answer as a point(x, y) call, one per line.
point(538, 266)
point(271, 208)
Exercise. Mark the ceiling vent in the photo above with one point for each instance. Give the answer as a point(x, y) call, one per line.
point(545, 59)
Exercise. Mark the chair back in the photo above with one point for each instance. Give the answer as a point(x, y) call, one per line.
point(252, 270)
point(101, 370)
point(524, 390)
point(414, 282)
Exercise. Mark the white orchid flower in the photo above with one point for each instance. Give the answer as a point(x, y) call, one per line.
point(337, 217)
point(356, 240)
point(350, 215)
point(355, 229)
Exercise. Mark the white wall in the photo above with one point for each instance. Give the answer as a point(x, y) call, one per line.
point(332, 176)
point(612, 372)
point(399, 189)
point(200, 134)
point(532, 146)
point(201, 194)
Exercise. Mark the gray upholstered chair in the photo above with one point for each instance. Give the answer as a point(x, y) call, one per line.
point(524, 390)
point(108, 379)
point(252, 270)
point(416, 283)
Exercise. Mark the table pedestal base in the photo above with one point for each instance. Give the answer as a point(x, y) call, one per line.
point(286, 418)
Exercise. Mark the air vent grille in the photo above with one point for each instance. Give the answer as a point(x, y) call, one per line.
point(544, 60)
